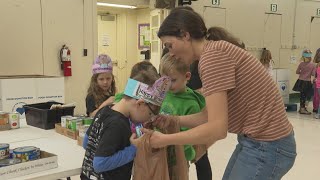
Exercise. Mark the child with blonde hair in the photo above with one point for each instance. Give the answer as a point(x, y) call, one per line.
point(266, 60)
point(306, 70)
point(180, 100)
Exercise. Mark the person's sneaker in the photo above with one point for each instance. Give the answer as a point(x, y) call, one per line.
point(317, 116)
point(304, 111)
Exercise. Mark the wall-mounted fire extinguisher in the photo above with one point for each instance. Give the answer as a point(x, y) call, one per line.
point(65, 58)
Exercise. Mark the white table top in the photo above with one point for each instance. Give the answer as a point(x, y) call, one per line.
point(70, 155)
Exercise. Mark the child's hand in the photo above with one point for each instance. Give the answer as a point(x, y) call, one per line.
point(134, 140)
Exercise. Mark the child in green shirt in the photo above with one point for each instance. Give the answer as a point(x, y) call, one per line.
point(180, 100)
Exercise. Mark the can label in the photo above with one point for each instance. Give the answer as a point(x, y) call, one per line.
point(14, 120)
point(64, 120)
point(4, 151)
point(87, 121)
point(75, 124)
point(69, 122)
point(138, 130)
point(82, 130)
point(4, 118)
point(27, 153)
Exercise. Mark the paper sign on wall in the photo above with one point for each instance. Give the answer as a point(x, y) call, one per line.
point(105, 40)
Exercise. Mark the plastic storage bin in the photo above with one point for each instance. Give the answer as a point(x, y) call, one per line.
point(39, 115)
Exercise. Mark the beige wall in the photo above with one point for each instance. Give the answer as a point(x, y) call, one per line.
point(32, 33)
point(246, 20)
point(143, 17)
point(20, 37)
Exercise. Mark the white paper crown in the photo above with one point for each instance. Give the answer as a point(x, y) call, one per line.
point(154, 94)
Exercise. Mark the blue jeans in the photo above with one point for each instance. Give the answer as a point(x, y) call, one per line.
point(261, 160)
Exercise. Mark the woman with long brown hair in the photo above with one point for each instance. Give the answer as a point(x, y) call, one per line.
point(241, 98)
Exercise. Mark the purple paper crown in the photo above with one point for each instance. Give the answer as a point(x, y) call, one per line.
point(154, 94)
point(102, 64)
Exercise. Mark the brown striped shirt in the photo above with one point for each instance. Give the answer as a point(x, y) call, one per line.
point(255, 107)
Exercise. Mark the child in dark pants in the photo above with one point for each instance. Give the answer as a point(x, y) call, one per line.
point(203, 166)
point(306, 70)
point(109, 153)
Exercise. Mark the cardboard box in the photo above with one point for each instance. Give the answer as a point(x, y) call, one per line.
point(66, 132)
point(46, 162)
point(5, 127)
point(18, 91)
point(14, 93)
point(80, 141)
point(282, 80)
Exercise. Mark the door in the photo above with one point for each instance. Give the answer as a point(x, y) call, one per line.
point(156, 18)
point(272, 37)
point(107, 41)
point(214, 17)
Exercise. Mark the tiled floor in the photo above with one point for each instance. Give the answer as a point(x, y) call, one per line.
point(307, 133)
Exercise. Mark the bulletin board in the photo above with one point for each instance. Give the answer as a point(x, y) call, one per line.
point(144, 36)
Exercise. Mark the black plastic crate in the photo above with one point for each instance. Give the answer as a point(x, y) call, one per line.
point(39, 115)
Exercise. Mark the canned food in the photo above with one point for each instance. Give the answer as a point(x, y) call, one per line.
point(87, 121)
point(138, 130)
point(82, 130)
point(14, 120)
point(26, 153)
point(8, 162)
point(4, 151)
point(4, 118)
point(75, 124)
point(64, 120)
point(69, 122)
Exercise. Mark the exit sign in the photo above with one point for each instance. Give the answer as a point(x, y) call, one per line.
point(215, 2)
point(318, 12)
point(274, 7)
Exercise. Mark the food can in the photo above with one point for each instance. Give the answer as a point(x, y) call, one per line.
point(69, 122)
point(75, 124)
point(26, 153)
point(64, 120)
point(87, 121)
point(8, 162)
point(82, 130)
point(4, 151)
point(4, 118)
point(138, 130)
point(14, 120)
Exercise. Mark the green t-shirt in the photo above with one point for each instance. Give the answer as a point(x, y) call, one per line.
point(118, 97)
point(184, 103)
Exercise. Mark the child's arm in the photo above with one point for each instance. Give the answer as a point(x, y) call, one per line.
point(85, 141)
point(298, 69)
point(86, 138)
point(120, 158)
point(108, 156)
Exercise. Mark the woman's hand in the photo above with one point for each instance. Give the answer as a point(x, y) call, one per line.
point(157, 139)
point(163, 121)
